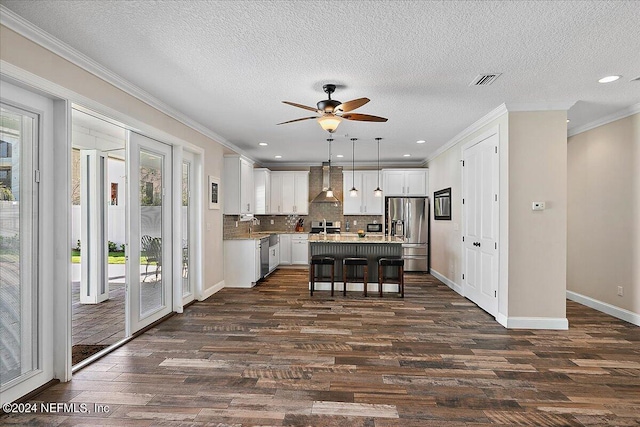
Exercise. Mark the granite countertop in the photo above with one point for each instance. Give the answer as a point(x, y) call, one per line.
point(353, 238)
point(262, 234)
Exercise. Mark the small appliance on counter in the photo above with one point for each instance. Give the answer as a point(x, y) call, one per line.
point(374, 228)
point(328, 227)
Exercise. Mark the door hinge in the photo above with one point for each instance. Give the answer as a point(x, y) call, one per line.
point(463, 238)
point(463, 163)
point(463, 201)
point(496, 243)
point(496, 147)
point(495, 294)
point(462, 276)
point(36, 175)
point(496, 197)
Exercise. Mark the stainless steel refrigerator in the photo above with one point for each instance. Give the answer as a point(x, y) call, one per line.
point(408, 217)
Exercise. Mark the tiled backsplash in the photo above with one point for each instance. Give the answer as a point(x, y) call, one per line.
point(317, 211)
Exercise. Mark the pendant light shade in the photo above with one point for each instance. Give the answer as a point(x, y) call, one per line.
point(354, 191)
point(378, 191)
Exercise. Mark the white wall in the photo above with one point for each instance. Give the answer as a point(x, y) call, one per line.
point(604, 213)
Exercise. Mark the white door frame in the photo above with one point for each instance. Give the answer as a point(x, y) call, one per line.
point(483, 136)
point(52, 280)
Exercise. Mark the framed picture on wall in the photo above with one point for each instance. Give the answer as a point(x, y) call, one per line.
point(214, 192)
point(442, 204)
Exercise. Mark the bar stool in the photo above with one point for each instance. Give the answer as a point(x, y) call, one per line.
point(391, 262)
point(355, 262)
point(321, 260)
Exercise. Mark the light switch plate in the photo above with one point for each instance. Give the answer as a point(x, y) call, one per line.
point(537, 206)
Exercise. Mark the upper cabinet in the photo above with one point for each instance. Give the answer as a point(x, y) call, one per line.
point(262, 189)
point(238, 187)
point(289, 192)
point(405, 182)
point(365, 203)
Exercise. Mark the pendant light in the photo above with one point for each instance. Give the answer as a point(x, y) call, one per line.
point(354, 191)
point(378, 191)
point(330, 190)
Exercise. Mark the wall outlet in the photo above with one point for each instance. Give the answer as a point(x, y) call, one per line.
point(355, 222)
point(620, 291)
point(537, 206)
point(271, 222)
point(236, 224)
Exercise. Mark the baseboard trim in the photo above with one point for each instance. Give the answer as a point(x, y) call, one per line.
point(212, 290)
point(553, 323)
point(450, 283)
point(612, 310)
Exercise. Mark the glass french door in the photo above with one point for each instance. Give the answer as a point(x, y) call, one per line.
point(26, 318)
point(149, 231)
point(187, 229)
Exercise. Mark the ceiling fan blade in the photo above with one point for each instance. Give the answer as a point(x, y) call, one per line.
point(297, 120)
point(352, 105)
point(315, 110)
point(363, 117)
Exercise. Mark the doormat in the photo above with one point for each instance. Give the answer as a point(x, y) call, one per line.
point(83, 351)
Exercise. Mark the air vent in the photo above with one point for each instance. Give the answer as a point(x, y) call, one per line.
point(485, 79)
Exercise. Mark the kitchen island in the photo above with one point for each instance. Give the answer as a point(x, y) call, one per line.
point(342, 246)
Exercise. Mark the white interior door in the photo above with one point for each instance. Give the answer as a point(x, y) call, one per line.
point(149, 231)
point(480, 222)
point(26, 291)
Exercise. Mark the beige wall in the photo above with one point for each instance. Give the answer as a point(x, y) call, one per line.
point(537, 239)
point(31, 57)
point(604, 213)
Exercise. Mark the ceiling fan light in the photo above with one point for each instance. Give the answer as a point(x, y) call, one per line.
point(377, 192)
point(329, 122)
point(353, 192)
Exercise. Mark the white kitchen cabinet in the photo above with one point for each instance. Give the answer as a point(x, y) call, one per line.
point(365, 203)
point(285, 249)
point(405, 182)
point(300, 249)
point(262, 190)
point(238, 188)
point(274, 256)
point(241, 263)
point(290, 192)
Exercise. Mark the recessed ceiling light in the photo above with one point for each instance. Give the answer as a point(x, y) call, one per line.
point(264, 144)
point(608, 79)
point(407, 155)
point(340, 155)
point(422, 141)
point(278, 157)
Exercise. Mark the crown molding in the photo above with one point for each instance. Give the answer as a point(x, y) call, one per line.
point(16, 23)
point(621, 114)
point(539, 106)
point(478, 124)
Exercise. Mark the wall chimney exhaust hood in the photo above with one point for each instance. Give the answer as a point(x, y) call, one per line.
point(326, 184)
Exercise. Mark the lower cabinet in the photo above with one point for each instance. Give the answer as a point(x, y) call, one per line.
point(285, 249)
point(241, 263)
point(300, 249)
point(274, 256)
point(294, 249)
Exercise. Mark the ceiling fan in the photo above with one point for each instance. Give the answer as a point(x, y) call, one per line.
point(333, 111)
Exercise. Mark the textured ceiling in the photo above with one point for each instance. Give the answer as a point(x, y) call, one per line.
point(228, 64)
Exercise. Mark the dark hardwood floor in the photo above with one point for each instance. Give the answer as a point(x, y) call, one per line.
point(272, 355)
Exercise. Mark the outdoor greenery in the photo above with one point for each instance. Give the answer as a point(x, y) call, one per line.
point(115, 257)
